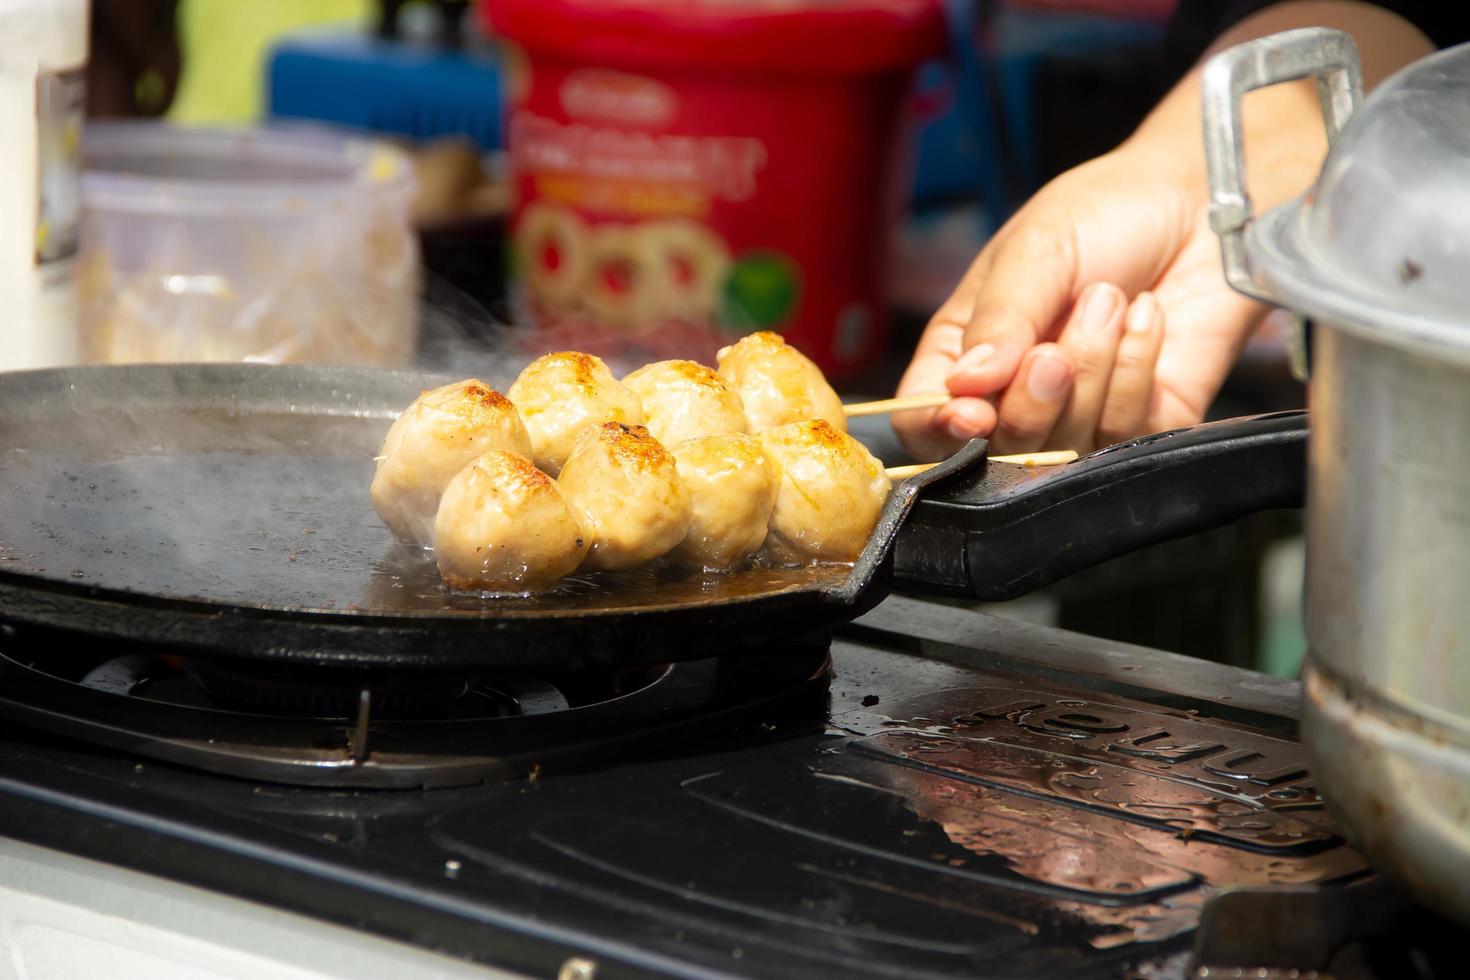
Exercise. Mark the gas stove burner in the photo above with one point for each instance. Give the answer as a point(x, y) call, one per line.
point(333, 693)
point(270, 690)
point(340, 728)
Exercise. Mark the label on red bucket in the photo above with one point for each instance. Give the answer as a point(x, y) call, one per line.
point(661, 212)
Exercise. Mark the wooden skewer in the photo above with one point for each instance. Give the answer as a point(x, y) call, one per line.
point(887, 405)
point(1055, 457)
point(1052, 457)
point(904, 472)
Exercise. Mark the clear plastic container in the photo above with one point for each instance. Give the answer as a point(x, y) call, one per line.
point(281, 246)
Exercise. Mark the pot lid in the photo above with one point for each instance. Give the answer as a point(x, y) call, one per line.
point(1381, 244)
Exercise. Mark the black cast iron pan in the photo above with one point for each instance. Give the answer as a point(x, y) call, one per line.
point(223, 510)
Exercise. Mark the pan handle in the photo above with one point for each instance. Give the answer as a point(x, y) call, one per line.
point(1011, 530)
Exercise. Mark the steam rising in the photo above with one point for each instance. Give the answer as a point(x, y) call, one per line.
point(461, 338)
point(228, 482)
point(231, 483)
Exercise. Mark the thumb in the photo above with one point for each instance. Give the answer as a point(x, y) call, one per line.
point(996, 340)
point(1027, 290)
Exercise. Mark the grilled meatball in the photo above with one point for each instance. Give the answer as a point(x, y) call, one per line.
point(634, 506)
point(732, 488)
point(561, 394)
point(778, 384)
point(503, 526)
point(685, 400)
point(443, 431)
point(829, 493)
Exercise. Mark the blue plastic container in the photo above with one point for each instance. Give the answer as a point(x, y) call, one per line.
point(391, 87)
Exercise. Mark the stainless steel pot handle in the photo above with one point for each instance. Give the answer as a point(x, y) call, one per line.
point(1328, 55)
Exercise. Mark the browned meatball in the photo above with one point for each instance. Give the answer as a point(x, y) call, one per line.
point(442, 432)
point(561, 394)
point(503, 526)
point(626, 485)
point(830, 493)
point(685, 400)
point(732, 488)
point(778, 383)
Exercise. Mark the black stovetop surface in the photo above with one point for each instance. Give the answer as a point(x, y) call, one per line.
point(981, 798)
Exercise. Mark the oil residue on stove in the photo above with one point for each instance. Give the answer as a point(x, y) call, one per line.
point(1131, 818)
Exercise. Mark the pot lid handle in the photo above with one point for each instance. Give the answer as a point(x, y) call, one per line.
point(1329, 56)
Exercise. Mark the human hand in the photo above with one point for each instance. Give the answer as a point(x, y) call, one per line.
point(1094, 385)
point(1034, 342)
point(1014, 343)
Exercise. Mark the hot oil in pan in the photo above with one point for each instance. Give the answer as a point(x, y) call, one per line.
point(270, 510)
point(654, 586)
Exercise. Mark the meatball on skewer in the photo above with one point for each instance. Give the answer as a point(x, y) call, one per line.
point(829, 494)
point(778, 384)
point(503, 526)
point(685, 400)
point(732, 488)
point(443, 431)
point(559, 395)
point(625, 483)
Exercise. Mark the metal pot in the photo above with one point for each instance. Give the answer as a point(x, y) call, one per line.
point(1376, 257)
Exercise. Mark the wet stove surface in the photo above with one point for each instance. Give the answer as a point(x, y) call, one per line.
point(996, 817)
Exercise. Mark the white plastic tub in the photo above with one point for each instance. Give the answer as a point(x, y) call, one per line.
point(283, 246)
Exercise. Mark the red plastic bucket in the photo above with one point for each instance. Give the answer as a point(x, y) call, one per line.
point(690, 171)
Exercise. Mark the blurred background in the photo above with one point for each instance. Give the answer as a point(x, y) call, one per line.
point(462, 186)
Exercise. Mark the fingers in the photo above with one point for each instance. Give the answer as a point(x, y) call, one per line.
point(1094, 387)
point(940, 433)
point(1128, 408)
point(935, 433)
point(1009, 299)
point(965, 418)
point(1092, 337)
point(1026, 288)
point(1031, 406)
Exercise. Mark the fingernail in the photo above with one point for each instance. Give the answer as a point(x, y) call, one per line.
point(973, 358)
point(1101, 305)
point(1141, 316)
point(1048, 379)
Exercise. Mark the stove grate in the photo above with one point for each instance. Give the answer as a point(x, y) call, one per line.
point(328, 727)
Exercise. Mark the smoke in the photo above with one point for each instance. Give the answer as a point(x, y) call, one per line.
point(460, 336)
point(234, 482)
point(229, 482)
point(237, 483)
